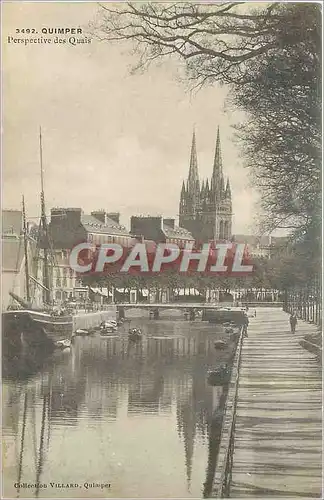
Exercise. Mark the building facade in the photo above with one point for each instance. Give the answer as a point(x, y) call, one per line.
point(160, 230)
point(69, 227)
point(206, 207)
point(13, 261)
point(265, 246)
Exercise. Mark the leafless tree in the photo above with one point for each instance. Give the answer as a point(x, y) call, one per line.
point(214, 40)
point(269, 56)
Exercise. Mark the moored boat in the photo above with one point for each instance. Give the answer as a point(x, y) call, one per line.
point(63, 344)
point(41, 319)
point(32, 321)
point(82, 333)
point(224, 315)
point(135, 334)
point(219, 376)
point(220, 344)
point(107, 327)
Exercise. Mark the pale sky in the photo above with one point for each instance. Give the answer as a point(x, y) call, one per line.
point(110, 140)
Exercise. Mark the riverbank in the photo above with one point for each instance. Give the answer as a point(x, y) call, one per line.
point(278, 422)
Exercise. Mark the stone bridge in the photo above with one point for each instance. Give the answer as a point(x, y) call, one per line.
point(190, 309)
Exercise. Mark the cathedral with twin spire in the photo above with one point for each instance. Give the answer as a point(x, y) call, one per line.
point(206, 207)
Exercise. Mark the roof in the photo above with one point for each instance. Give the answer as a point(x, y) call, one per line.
point(279, 240)
point(11, 222)
point(12, 254)
point(93, 225)
point(263, 241)
point(246, 238)
point(177, 233)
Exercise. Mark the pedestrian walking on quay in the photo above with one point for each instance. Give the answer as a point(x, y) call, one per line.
point(245, 324)
point(293, 322)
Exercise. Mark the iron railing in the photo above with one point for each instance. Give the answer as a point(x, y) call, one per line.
point(306, 301)
point(224, 463)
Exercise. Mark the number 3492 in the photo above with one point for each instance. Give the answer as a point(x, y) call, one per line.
point(25, 30)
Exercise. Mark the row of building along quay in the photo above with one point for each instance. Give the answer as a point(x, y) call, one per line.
point(205, 215)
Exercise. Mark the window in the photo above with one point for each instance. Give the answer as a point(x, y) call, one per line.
point(221, 230)
point(64, 277)
point(226, 230)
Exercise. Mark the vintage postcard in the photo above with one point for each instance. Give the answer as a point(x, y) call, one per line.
point(161, 250)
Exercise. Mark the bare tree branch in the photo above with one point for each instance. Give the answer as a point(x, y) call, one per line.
point(269, 56)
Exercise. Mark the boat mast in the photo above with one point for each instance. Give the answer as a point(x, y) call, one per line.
point(21, 455)
point(25, 250)
point(41, 447)
point(46, 279)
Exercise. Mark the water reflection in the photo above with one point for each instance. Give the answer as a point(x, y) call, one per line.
point(140, 416)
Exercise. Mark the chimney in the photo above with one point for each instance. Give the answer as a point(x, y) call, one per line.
point(114, 216)
point(169, 222)
point(99, 215)
point(139, 238)
point(70, 216)
point(149, 227)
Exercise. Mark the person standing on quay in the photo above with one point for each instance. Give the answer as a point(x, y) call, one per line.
point(293, 322)
point(245, 324)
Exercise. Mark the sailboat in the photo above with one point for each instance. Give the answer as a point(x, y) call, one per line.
point(38, 323)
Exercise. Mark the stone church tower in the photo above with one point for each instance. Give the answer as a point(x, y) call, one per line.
point(206, 209)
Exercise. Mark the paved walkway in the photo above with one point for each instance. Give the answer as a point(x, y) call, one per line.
point(278, 427)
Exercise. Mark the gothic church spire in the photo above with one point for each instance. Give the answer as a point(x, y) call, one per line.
point(228, 193)
point(193, 178)
point(217, 166)
point(217, 176)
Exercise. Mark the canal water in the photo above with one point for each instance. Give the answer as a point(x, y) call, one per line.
point(110, 418)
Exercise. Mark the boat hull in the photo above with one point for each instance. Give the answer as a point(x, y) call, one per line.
point(40, 327)
point(37, 326)
point(55, 327)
